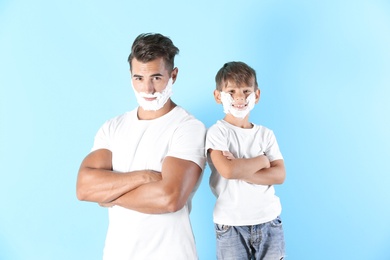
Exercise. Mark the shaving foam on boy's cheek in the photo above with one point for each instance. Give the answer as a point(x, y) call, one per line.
point(159, 102)
point(227, 101)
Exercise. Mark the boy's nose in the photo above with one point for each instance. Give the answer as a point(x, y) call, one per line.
point(239, 96)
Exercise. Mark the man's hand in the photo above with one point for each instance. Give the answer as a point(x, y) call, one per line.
point(153, 175)
point(97, 182)
point(106, 205)
point(149, 175)
point(170, 194)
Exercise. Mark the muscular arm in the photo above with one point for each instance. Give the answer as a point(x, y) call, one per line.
point(256, 170)
point(97, 182)
point(170, 194)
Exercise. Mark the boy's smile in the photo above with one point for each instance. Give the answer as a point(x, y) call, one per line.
point(237, 98)
point(239, 106)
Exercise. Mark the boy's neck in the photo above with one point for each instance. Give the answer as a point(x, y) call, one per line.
point(238, 122)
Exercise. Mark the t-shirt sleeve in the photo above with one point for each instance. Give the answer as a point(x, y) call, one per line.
point(188, 142)
point(272, 150)
point(102, 138)
point(216, 139)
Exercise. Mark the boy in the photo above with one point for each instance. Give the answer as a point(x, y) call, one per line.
point(245, 163)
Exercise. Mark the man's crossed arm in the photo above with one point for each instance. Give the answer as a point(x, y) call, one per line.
point(145, 191)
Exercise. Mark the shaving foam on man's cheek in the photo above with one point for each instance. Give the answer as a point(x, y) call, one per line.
point(158, 102)
point(227, 101)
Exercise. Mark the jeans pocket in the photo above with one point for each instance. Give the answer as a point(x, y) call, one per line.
point(221, 229)
point(277, 222)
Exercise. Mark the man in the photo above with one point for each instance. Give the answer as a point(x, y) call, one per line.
point(146, 164)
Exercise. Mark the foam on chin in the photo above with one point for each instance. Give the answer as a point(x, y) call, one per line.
point(227, 101)
point(160, 98)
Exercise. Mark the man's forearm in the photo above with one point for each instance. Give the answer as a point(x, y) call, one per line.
point(169, 194)
point(151, 198)
point(102, 186)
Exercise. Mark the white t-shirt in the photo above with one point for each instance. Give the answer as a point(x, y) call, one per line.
point(240, 203)
point(143, 144)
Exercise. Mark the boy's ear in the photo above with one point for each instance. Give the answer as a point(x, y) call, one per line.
point(257, 95)
point(217, 96)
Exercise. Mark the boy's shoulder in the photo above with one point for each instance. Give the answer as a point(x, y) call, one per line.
point(222, 124)
point(223, 128)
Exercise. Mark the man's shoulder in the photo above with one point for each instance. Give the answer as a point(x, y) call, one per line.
point(186, 117)
point(121, 119)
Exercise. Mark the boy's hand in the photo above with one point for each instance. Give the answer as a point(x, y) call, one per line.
point(264, 161)
point(228, 155)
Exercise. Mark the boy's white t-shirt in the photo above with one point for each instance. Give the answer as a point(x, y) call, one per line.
point(143, 144)
point(238, 202)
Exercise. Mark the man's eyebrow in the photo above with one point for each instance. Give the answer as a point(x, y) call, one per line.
point(153, 75)
point(156, 74)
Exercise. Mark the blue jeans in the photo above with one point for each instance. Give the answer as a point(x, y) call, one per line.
point(264, 241)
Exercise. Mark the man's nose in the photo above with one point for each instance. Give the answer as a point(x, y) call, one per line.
point(149, 87)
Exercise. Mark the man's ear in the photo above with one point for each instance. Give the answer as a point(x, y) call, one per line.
point(174, 73)
point(257, 95)
point(217, 96)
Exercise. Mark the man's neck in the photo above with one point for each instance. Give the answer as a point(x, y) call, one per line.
point(151, 114)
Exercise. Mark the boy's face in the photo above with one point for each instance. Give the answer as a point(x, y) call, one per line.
point(239, 93)
point(237, 99)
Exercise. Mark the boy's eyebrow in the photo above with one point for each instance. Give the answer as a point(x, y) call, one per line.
point(232, 87)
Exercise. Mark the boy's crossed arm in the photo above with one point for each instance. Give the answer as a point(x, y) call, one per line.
point(256, 170)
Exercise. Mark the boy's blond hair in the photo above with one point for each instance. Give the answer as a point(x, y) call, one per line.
point(237, 72)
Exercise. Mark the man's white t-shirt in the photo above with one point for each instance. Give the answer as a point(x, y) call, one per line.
point(143, 144)
point(240, 203)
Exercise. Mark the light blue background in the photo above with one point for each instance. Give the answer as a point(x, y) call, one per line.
point(323, 68)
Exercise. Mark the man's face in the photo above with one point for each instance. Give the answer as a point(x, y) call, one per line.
point(150, 77)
